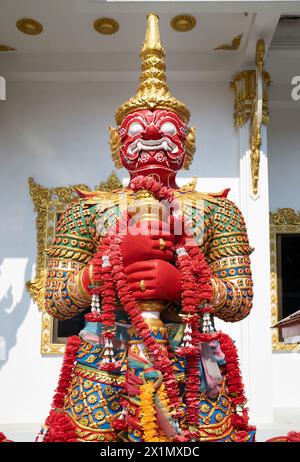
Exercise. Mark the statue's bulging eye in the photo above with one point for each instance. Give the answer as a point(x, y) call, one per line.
point(168, 128)
point(135, 129)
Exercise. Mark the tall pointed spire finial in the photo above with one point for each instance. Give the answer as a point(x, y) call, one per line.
point(153, 91)
point(152, 38)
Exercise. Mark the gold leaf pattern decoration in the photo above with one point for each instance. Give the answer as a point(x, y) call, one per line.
point(6, 48)
point(29, 26)
point(233, 46)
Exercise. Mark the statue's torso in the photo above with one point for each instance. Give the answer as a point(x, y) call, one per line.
point(93, 400)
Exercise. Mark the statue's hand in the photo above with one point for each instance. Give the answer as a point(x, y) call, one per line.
point(140, 247)
point(162, 280)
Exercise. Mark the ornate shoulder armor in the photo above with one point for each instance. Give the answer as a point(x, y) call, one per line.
point(73, 247)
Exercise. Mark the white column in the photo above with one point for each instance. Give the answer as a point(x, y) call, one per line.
point(255, 346)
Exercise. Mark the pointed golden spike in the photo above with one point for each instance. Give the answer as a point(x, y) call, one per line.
point(153, 91)
point(152, 38)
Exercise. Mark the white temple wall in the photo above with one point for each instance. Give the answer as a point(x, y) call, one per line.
point(58, 133)
point(284, 171)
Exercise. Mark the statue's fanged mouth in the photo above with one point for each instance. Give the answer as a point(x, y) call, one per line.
point(162, 144)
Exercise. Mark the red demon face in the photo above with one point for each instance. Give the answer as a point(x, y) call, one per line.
point(153, 144)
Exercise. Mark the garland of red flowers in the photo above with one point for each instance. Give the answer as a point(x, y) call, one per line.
point(59, 426)
point(196, 289)
point(66, 372)
point(234, 382)
point(161, 360)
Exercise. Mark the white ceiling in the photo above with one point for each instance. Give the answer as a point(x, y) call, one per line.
point(70, 49)
point(68, 27)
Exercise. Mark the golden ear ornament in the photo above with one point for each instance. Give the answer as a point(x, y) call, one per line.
point(190, 147)
point(115, 145)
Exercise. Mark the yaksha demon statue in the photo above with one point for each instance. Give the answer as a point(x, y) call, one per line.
point(156, 263)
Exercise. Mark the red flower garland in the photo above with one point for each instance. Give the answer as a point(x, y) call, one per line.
point(60, 426)
point(196, 289)
point(66, 373)
point(161, 360)
point(234, 382)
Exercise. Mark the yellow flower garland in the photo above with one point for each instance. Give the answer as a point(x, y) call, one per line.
point(148, 413)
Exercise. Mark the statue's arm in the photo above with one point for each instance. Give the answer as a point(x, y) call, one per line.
point(229, 257)
point(68, 269)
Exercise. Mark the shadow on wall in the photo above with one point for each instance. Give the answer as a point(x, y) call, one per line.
point(14, 302)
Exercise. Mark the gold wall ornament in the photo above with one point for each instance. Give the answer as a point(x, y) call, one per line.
point(6, 48)
point(257, 116)
point(260, 54)
point(106, 26)
point(183, 23)
point(233, 46)
point(49, 203)
point(251, 102)
point(283, 221)
point(285, 216)
point(244, 87)
point(153, 91)
point(29, 26)
point(255, 143)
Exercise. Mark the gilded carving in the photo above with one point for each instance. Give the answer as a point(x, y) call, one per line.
point(6, 48)
point(244, 87)
point(233, 46)
point(183, 23)
point(251, 102)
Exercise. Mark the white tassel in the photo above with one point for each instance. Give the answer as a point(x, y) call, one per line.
point(207, 325)
point(108, 352)
point(186, 341)
point(95, 304)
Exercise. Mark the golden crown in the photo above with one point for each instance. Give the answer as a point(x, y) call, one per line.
point(153, 91)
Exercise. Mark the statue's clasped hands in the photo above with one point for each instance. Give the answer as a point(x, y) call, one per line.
point(147, 260)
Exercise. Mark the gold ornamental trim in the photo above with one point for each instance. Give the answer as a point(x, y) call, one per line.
point(285, 216)
point(104, 377)
point(6, 48)
point(183, 23)
point(233, 46)
point(29, 26)
point(244, 87)
point(283, 221)
point(251, 103)
point(48, 204)
point(106, 26)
